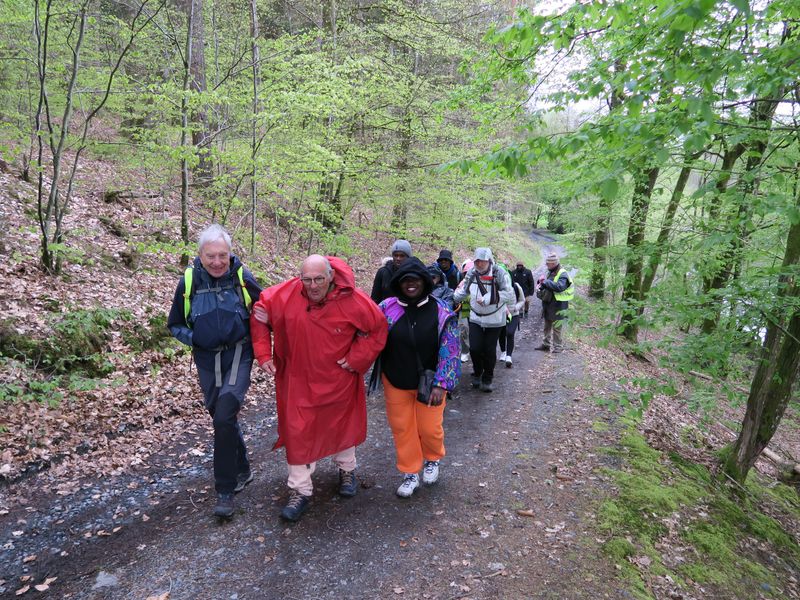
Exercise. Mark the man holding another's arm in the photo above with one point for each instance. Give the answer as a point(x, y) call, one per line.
point(318, 334)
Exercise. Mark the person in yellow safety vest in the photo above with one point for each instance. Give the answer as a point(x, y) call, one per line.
point(555, 290)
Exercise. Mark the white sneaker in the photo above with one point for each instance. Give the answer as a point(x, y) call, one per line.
point(502, 356)
point(410, 483)
point(465, 357)
point(509, 362)
point(430, 473)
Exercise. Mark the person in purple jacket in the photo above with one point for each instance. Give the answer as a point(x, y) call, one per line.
point(423, 334)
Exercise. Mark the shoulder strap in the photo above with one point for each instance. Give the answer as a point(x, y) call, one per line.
point(244, 294)
point(188, 292)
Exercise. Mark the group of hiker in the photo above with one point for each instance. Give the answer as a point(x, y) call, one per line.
point(319, 335)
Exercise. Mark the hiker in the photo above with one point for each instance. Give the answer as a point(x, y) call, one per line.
point(489, 289)
point(401, 250)
point(506, 339)
point(440, 288)
point(525, 279)
point(318, 334)
point(212, 318)
point(462, 309)
point(421, 350)
point(555, 291)
point(448, 267)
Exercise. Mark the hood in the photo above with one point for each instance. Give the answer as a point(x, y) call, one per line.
point(483, 254)
point(435, 271)
point(411, 266)
point(343, 277)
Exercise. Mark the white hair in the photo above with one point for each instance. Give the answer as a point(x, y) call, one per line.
point(212, 233)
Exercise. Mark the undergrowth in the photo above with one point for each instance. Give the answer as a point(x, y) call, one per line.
point(720, 535)
point(73, 356)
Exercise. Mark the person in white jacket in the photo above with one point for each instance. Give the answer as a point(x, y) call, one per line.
point(489, 289)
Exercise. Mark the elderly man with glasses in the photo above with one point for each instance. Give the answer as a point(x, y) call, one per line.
point(318, 334)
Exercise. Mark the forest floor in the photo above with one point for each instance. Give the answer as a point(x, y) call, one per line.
point(106, 491)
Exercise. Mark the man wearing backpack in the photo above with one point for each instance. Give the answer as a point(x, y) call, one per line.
point(210, 313)
point(556, 289)
point(489, 289)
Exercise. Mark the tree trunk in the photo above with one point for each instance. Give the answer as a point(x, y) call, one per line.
point(254, 131)
point(203, 171)
point(187, 62)
point(644, 184)
point(771, 388)
point(666, 228)
point(597, 284)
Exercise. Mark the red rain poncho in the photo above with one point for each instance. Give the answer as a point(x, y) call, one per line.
point(321, 407)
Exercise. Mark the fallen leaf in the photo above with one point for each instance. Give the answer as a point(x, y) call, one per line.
point(42, 587)
point(398, 590)
point(525, 513)
point(164, 596)
point(22, 590)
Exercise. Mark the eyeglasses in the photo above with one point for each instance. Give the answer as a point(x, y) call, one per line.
point(318, 280)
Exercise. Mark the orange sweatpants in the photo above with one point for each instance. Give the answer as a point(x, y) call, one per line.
point(417, 428)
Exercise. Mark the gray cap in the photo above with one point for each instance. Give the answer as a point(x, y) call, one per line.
point(402, 246)
point(483, 254)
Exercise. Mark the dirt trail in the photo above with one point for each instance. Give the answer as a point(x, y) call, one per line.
point(510, 518)
point(461, 538)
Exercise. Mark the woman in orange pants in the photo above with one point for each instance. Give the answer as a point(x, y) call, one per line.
point(423, 335)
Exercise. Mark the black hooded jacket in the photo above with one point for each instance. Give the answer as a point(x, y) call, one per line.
point(416, 333)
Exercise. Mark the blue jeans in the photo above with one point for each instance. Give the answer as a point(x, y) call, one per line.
point(223, 404)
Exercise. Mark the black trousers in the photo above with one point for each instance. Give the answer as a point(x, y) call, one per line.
point(507, 336)
point(223, 404)
point(483, 350)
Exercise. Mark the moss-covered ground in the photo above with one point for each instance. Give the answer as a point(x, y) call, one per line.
point(674, 521)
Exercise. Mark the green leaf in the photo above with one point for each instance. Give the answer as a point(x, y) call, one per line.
point(609, 188)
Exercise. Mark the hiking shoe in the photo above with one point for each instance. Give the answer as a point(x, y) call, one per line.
point(465, 357)
point(348, 485)
point(430, 472)
point(224, 507)
point(487, 386)
point(410, 483)
point(509, 362)
point(543, 348)
point(295, 507)
point(242, 479)
point(476, 381)
point(502, 357)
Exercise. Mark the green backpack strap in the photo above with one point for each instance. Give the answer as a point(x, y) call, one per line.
point(188, 292)
point(188, 276)
point(248, 301)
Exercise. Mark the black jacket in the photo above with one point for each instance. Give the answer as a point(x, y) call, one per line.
point(525, 280)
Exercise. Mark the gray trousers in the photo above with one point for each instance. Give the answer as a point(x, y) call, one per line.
point(463, 330)
point(553, 328)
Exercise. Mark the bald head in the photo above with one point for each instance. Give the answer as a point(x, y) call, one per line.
point(316, 262)
point(317, 277)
